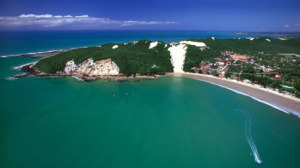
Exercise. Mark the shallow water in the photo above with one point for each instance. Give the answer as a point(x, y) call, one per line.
point(167, 122)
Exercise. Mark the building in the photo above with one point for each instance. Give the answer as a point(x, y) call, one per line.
point(205, 71)
point(238, 57)
point(277, 76)
point(222, 74)
point(195, 69)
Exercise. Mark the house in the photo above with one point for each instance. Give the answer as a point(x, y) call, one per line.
point(195, 69)
point(227, 59)
point(222, 74)
point(221, 63)
point(238, 57)
point(277, 76)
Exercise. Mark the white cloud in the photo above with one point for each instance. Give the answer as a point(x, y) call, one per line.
point(82, 16)
point(68, 16)
point(286, 26)
point(48, 21)
point(35, 16)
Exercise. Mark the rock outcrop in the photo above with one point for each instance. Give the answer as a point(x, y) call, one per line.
point(90, 68)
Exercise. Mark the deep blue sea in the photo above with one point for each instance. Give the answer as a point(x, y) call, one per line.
point(19, 42)
point(169, 122)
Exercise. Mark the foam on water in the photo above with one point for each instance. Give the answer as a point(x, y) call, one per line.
point(33, 54)
point(21, 66)
point(10, 78)
point(79, 79)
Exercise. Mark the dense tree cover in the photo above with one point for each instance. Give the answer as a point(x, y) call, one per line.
point(131, 58)
point(194, 56)
point(138, 58)
point(246, 46)
point(264, 81)
point(242, 68)
point(297, 87)
point(264, 52)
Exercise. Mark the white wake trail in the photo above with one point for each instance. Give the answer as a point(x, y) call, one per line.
point(250, 139)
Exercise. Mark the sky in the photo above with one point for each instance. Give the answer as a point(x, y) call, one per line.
point(208, 15)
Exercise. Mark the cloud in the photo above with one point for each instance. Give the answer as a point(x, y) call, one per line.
point(48, 21)
point(35, 16)
point(68, 16)
point(286, 26)
point(82, 16)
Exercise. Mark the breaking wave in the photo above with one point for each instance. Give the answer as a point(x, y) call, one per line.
point(33, 54)
point(21, 66)
point(10, 78)
point(79, 79)
point(41, 53)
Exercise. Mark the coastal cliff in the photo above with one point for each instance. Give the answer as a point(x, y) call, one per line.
point(90, 68)
point(265, 61)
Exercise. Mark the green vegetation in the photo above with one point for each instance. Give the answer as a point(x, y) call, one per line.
point(246, 46)
point(264, 53)
point(242, 46)
point(264, 81)
point(297, 87)
point(194, 56)
point(136, 58)
point(131, 58)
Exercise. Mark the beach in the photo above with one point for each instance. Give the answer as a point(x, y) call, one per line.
point(268, 96)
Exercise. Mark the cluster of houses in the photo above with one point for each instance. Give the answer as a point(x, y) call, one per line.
point(229, 58)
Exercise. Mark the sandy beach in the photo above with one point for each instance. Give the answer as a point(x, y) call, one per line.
point(263, 94)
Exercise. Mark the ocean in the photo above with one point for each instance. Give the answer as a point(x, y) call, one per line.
point(20, 42)
point(166, 122)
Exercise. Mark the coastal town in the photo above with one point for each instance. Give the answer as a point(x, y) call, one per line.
point(245, 68)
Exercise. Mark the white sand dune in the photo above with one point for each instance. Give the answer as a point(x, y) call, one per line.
point(178, 51)
point(153, 44)
point(115, 46)
point(197, 44)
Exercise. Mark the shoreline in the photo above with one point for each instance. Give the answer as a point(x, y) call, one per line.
point(32, 72)
point(285, 103)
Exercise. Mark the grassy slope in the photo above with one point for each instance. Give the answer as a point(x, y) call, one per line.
point(131, 58)
point(138, 58)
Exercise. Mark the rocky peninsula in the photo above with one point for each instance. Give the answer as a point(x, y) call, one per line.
point(257, 61)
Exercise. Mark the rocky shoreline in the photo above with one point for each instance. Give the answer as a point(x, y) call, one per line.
point(32, 72)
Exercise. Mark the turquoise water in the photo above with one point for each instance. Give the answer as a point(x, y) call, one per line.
point(19, 42)
point(167, 122)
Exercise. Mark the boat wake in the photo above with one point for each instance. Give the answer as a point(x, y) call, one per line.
point(250, 140)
